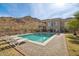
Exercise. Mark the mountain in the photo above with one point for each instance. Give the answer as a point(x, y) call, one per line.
point(27, 24)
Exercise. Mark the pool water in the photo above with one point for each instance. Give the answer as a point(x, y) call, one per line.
point(38, 37)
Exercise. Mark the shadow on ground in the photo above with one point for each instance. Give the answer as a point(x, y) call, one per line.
point(74, 39)
point(9, 46)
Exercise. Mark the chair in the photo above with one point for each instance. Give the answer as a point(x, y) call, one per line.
point(19, 41)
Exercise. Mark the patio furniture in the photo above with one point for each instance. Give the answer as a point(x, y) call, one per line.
point(15, 40)
point(20, 41)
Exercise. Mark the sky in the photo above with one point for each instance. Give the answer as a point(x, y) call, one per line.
point(38, 10)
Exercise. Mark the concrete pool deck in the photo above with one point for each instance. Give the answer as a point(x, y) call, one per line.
point(56, 47)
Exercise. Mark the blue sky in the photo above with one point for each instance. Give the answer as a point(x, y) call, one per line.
point(38, 10)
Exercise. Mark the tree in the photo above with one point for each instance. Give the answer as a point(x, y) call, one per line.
point(76, 15)
point(77, 18)
point(73, 25)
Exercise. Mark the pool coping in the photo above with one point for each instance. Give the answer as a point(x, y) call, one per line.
point(39, 43)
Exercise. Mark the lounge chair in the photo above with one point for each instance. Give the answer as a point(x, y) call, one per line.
point(14, 40)
point(20, 41)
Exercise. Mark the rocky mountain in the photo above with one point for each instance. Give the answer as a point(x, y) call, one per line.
point(10, 25)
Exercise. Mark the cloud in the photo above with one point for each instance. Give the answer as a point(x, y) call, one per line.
point(5, 15)
point(44, 11)
point(38, 10)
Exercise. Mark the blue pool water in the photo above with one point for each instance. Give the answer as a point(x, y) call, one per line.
point(38, 37)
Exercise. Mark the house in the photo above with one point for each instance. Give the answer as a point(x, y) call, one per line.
point(55, 25)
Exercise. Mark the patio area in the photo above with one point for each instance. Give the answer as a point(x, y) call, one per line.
point(55, 47)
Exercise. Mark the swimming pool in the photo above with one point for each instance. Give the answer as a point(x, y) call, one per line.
point(37, 37)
